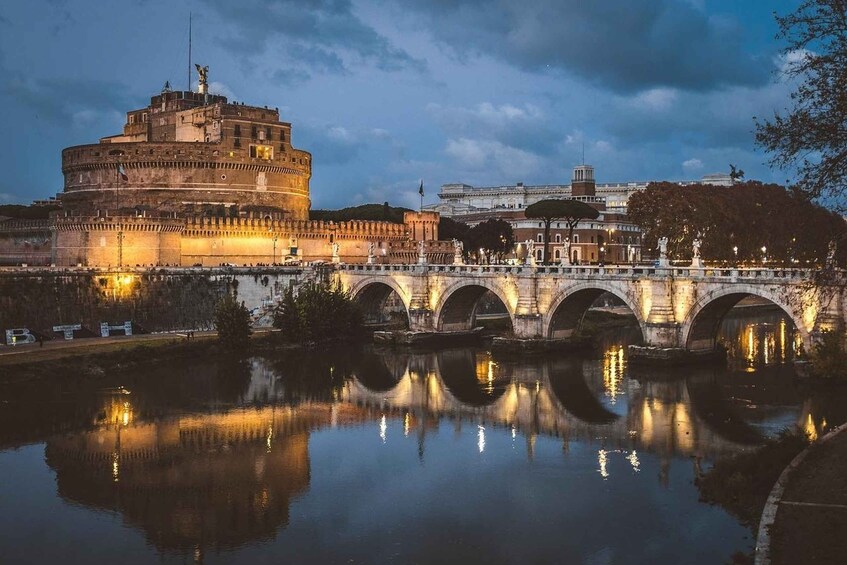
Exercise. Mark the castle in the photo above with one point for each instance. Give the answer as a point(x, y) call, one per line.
point(194, 179)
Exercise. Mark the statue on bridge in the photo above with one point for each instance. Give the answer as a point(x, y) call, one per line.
point(421, 252)
point(371, 252)
point(458, 248)
point(335, 257)
point(696, 261)
point(663, 251)
point(565, 259)
point(530, 253)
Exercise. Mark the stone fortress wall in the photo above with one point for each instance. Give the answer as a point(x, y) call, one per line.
point(183, 177)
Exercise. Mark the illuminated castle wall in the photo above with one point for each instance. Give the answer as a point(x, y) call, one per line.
point(194, 179)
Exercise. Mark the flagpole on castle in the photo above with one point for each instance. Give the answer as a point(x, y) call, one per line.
point(421, 192)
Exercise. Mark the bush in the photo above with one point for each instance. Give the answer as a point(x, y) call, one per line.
point(319, 312)
point(829, 359)
point(232, 321)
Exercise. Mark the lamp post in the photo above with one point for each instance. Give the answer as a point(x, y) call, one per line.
point(764, 254)
point(735, 253)
point(602, 256)
point(274, 236)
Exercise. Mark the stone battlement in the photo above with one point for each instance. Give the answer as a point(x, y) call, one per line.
point(234, 227)
point(118, 223)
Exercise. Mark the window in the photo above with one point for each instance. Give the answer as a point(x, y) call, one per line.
point(253, 132)
point(268, 134)
point(540, 238)
point(265, 152)
point(237, 143)
point(592, 240)
point(144, 117)
point(282, 147)
point(576, 238)
point(131, 119)
point(261, 136)
point(237, 131)
point(282, 135)
point(558, 238)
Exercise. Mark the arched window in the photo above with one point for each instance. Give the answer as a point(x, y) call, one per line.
point(558, 239)
point(576, 238)
point(540, 238)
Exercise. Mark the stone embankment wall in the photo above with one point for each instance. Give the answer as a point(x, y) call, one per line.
point(154, 300)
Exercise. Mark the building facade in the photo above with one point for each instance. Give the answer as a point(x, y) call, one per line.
point(609, 238)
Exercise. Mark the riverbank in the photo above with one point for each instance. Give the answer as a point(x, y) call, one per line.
point(96, 356)
point(811, 513)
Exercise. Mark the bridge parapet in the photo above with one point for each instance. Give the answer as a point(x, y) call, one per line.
point(676, 307)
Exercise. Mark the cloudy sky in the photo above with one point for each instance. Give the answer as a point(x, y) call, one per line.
point(386, 92)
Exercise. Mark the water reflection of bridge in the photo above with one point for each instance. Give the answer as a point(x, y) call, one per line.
point(557, 398)
point(199, 480)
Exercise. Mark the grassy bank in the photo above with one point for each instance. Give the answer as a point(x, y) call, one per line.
point(742, 483)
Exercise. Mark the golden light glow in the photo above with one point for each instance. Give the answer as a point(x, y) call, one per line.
point(480, 438)
point(810, 429)
point(613, 372)
point(407, 419)
point(383, 427)
point(116, 467)
point(633, 460)
point(602, 460)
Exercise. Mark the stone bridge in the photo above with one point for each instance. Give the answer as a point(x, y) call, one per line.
point(676, 307)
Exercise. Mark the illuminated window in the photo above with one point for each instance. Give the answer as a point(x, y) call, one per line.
point(265, 152)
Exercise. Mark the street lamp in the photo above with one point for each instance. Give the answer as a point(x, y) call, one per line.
point(275, 236)
point(764, 254)
point(602, 255)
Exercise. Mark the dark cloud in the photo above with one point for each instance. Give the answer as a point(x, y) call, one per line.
point(315, 35)
point(65, 101)
point(618, 44)
point(523, 127)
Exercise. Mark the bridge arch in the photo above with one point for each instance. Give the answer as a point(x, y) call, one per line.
point(568, 308)
point(455, 308)
point(699, 330)
point(372, 292)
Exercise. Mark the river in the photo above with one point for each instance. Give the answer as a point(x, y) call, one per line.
point(360, 455)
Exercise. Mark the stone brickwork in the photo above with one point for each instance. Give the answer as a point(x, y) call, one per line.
point(676, 308)
point(25, 242)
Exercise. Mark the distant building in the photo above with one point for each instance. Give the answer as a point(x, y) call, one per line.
point(611, 237)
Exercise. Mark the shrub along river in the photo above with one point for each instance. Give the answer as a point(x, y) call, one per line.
point(355, 454)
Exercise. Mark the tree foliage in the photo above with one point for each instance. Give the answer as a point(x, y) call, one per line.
point(810, 136)
point(448, 228)
point(494, 236)
point(318, 312)
point(373, 212)
point(748, 216)
point(232, 320)
point(571, 211)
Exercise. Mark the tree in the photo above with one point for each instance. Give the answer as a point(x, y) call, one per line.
point(232, 320)
point(319, 312)
point(572, 211)
point(735, 222)
point(810, 136)
point(448, 228)
point(493, 235)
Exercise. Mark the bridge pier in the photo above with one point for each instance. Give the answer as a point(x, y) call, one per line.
point(528, 326)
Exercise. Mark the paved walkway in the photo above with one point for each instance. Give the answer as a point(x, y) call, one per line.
point(59, 348)
point(811, 519)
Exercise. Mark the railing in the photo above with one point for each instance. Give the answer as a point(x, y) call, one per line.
point(614, 271)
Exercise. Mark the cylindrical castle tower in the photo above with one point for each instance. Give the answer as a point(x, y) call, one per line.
point(188, 154)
